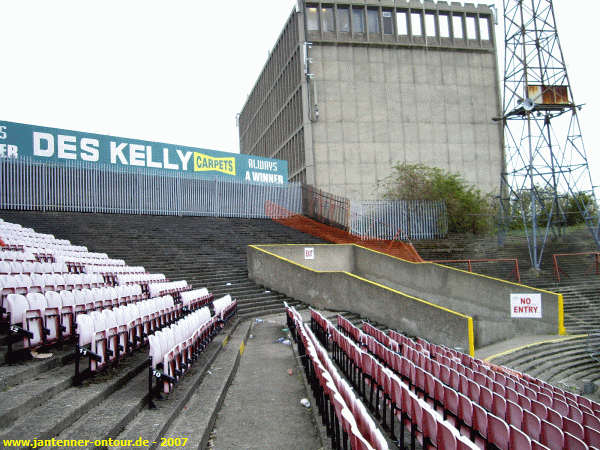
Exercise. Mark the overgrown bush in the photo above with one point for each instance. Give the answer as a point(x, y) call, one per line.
point(468, 209)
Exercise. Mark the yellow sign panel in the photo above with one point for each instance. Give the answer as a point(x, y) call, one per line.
point(205, 163)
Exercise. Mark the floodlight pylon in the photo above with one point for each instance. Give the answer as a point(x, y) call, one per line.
point(546, 178)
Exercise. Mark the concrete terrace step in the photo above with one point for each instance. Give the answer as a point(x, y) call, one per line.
point(61, 411)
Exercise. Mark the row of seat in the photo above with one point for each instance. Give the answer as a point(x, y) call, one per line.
point(510, 381)
point(10, 232)
point(504, 375)
point(425, 423)
point(225, 307)
point(23, 283)
point(114, 270)
point(174, 349)
point(28, 267)
point(43, 319)
point(196, 298)
point(12, 254)
point(169, 287)
point(344, 415)
point(130, 278)
point(104, 336)
point(466, 396)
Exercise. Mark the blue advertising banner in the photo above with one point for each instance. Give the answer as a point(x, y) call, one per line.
point(19, 140)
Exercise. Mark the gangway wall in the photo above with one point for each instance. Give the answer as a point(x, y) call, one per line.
point(439, 303)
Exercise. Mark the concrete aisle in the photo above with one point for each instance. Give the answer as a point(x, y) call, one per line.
point(262, 408)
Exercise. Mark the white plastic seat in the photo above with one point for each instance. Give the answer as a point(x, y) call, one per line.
point(28, 267)
point(100, 341)
point(5, 268)
point(16, 267)
point(112, 333)
point(38, 282)
point(16, 307)
point(52, 316)
point(85, 330)
point(35, 318)
point(65, 311)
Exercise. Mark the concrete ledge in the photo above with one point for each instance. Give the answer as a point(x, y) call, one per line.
point(348, 292)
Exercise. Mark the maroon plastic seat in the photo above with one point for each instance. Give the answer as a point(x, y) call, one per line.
point(592, 437)
point(531, 425)
point(445, 438)
point(480, 421)
point(535, 445)
point(439, 392)
point(499, 406)
point(485, 398)
point(560, 407)
point(591, 421)
point(554, 418)
point(474, 391)
point(572, 427)
point(545, 399)
point(498, 389)
point(511, 395)
point(518, 439)
point(539, 409)
point(429, 428)
point(498, 432)
point(514, 414)
point(574, 443)
point(450, 402)
point(465, 410)
point(551, 435)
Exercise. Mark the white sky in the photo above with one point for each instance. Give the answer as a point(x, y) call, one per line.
point(179, 71)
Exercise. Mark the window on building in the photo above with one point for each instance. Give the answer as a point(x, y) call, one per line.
point(471, 28)
point(312, 18)
point(444, 21)
point(402, 23)
point(388, 26)
point(430, 25)
point(484, 28)
point(343, 19)
point(373, 20)
point(415, 22)
point(457, 27)
point(327, 18)
point(358, 20)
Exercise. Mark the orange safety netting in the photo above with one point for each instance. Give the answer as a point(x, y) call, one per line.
point(301, 223)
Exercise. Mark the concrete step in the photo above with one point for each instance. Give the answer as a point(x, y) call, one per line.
point(29, 394)
point(196, 418)
point(15, 374)
point(54, 416)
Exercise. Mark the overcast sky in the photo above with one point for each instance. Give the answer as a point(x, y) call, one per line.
point(179, 71)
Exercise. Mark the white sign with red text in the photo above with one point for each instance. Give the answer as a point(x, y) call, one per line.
point(526, 306)
point(309, 253)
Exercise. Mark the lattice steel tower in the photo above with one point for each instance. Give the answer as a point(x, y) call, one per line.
point(546, 173)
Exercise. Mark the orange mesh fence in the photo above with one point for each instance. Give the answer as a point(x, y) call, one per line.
point(301, 223)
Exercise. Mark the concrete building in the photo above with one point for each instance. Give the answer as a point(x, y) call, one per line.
point(353, 87)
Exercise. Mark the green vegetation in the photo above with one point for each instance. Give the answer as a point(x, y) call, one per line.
point(468, 209)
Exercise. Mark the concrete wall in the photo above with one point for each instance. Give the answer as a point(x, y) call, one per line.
point(327, 257)
point(381, 106)
point(344, 292)
point(485, 299)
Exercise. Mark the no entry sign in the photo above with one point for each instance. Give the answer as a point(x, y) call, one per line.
point(526, 306)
